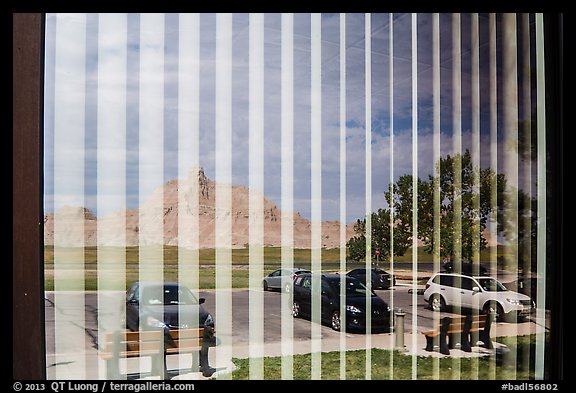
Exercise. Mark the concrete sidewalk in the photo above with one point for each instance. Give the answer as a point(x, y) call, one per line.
point(88, 365)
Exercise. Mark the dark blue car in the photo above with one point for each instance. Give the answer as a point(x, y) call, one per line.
point(330, 300)
point(379, 278)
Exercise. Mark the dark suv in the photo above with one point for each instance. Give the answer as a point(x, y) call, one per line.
point(355, 302)
point(379, 278)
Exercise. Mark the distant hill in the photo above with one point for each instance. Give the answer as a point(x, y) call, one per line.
point(79, 226)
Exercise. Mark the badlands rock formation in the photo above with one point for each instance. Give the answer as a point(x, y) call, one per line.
point(184, 213)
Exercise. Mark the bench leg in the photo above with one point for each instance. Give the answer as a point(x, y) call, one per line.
point(113, 368)
point(195, 361)
point(429, 343)
point(159, 366)
point(204, 361)
point(485, 333)
point(444, 349)
point(465, 344)
point(485, 338)
point(205, 367)
point(113, 365)
point(461, 340)
point(465, 338)
point(474, 338)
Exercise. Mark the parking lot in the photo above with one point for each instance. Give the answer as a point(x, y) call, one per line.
point(398, 297)
point(86, 332)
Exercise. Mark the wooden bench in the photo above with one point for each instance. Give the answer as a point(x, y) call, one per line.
point(186, 341)
point(156, 344)
point(126, 344)
point(464, 330)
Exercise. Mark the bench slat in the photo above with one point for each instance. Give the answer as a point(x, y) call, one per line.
point(457, 325)
point(143, 335)
point(128, 354)
point(187, 333)
point(146, 343)
point(127, 344)
point(187, 343)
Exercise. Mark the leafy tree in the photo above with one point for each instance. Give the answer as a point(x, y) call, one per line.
point(380, 223)
point(357, 248)
point(464, 197)
point(463, 203)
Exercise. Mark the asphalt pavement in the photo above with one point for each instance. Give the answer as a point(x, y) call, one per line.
point(73, 325)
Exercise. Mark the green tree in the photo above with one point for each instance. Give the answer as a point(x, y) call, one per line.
point(464, 200)
point(380, 223)
point(464, 206)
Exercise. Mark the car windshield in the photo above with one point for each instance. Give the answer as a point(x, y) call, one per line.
point(353, 287)
point(172, 295)
point(491, 285)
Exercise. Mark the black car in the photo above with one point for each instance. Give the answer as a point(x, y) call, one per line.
point(380, 278)
point(170, 306)
point(330, 302)
point(157, 304)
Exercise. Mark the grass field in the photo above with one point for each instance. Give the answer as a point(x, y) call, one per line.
point(395, 365)
point(82, 264)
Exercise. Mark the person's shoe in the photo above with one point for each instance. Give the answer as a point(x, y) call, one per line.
point(207, 372)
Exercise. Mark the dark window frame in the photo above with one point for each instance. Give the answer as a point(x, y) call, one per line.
point(28, 330)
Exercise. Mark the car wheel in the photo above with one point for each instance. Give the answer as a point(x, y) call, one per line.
point(437, 303)
point(495, 307)
point(336, 321)
point(265, 285)
point(295, 309)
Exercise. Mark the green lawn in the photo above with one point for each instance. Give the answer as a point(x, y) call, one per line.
point(395, 365)
point(205, 259)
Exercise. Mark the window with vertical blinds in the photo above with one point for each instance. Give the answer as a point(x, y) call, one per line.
point(189, 157)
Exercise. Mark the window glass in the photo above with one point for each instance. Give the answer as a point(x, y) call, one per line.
point(207, 149)
point(467, 283)
point(447, 281)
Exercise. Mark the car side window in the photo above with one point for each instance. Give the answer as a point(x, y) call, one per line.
point(467, 283)
point(326, 288)
point(298, 281)
point(132, 293)
point(275, 273)
point(447, 281)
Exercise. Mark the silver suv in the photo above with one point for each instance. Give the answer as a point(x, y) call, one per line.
point(479, 293)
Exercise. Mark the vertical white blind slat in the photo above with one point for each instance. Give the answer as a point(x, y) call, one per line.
point(111, 173)
point(414, 47)
point(316, 185)
point(69, 218)
point(287, 184)
point(223, 219)
point(256, 201)
point(368, 182)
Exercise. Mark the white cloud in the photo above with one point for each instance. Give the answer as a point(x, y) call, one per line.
point(355, 110)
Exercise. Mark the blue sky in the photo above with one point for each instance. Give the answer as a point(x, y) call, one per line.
point(355, 110)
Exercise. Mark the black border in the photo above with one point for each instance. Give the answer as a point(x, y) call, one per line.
point(28, 331)
point(553, 48)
